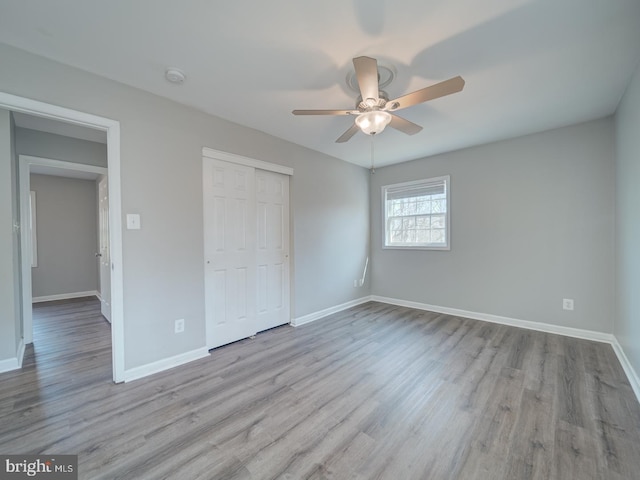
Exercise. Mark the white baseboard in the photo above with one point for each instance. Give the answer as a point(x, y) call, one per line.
point(312, 317)
point(13, 363)
point(632, 376)
point(164, 364)
point(9, 364)
point(64, 296)
point(514, 322)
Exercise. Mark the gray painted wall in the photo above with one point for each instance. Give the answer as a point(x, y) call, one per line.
point(58, 147)
point(10, 323)
point(161, 144)
point(532, 223)
point(67, 236)
point(627, 324)
point(331, 211)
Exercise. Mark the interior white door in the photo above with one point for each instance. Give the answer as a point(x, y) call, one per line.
point(272, 253)
point(230, 251)
point(104, 256)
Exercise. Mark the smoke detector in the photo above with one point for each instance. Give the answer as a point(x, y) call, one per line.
point(174, 75)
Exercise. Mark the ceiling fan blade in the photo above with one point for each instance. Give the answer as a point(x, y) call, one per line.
point(346, 136)
point(405, 126)
point(367, 75)
point(323, 112)
point(438, 90)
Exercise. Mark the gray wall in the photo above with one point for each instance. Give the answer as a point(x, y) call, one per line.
point(161, 144)
point(627, 323)
point(10, 322)
point(58, 147)
point(66, 224)
point(532, 223)
point(331, 210)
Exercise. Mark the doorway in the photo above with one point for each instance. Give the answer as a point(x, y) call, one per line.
point(29, 165)
point(112, 128)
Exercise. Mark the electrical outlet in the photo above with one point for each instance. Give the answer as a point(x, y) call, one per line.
point(179, 325)
point(567, 303)
point(355, 283)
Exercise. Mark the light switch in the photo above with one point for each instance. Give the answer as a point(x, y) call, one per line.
point(133, 221)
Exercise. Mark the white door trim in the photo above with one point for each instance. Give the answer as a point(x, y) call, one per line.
point(25, 163)
point(63, 165)
point(112, 127)
point(246, 161)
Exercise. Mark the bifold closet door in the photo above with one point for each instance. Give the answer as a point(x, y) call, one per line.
point(230, 251)
point(246, 247)
point(272, 199)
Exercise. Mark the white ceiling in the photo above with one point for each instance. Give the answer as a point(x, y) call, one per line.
point(529, 65)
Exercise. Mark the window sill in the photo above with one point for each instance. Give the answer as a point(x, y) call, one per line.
point(414, 247)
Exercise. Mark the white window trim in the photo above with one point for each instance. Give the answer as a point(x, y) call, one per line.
point(447, 180)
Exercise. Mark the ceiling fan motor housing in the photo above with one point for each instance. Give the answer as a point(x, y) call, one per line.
point(368, 104)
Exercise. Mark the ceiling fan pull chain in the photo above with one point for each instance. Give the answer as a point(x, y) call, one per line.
point(373, 170)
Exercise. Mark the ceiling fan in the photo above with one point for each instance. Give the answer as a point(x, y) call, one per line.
point(373, 107)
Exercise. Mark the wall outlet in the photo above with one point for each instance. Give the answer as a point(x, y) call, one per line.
point(355, 283)
point(179, 325)
point(567, 303)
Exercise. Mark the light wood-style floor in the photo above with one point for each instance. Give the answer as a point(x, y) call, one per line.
point(375, 392)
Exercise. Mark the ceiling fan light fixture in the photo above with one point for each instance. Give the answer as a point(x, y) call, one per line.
point(373, 122)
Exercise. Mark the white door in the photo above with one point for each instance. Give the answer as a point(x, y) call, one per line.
point(103, 244)
point(230, 251)
point(272, 199)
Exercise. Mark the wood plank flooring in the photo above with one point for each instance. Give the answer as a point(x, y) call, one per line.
point(374, 392)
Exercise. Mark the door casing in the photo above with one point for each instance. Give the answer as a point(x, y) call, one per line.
point(37, 108)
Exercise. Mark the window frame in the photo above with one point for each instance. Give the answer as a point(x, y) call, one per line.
point(446, 179)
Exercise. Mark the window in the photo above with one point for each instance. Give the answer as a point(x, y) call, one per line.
point(416, 214)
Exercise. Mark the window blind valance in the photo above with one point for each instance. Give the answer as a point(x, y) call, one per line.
point(411, 191)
